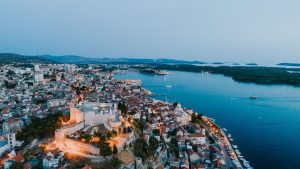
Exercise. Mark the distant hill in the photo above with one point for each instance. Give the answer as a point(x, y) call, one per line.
point(16, 58)
point(289, 64)
point(66, 59)
point(73, 59)
point(84, 60)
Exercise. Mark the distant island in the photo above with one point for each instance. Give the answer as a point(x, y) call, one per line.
point(289, 64)
point(253, 74)
point(218, 63)
point(251, 64)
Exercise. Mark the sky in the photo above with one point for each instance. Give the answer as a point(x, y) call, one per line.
point(260, 31)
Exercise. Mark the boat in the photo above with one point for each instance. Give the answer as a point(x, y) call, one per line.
point(161, 73)
point(246, 164)
point(235, 146)
point(253, 97)
point(238, 152)
point(168, 86)
point(225, 129)
point(213, 120)
point(242, 159)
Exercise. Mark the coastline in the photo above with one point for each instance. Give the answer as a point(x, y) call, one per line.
point(228, 102)
point(236, 161)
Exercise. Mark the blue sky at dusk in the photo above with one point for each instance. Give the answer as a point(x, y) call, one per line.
point(209, 30)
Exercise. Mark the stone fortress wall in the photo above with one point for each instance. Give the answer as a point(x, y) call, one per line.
point(82, 117)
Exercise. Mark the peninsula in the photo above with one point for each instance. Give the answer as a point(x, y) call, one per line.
point(66, 116)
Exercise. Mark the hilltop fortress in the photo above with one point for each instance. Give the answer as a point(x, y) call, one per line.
point(87, 117)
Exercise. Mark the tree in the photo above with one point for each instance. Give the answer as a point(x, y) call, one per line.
point(105, 150)
point(129, 130)
point(124, 130)
point(156, 132)
point(153, 145)
point(114, 133)
point(113, 163)
point(140, 124)
point(9, 85)
point(174, 147)
point(140, 148)
point(16, 165)
point(86, 137)
point(122, 107)
point(101, 136)
point(39, 128)
point(115, 149)
point(194, 117)
point(77, 91)
point(10, 73)
point(108, 135)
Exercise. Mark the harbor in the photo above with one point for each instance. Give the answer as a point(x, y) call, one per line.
point(246, 120)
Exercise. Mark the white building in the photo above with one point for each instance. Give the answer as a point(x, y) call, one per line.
point(11, 124)
point(7, 142)
point(38, 77)
point(50, 161)
point(69, 68)
point(56, 102)
point(183, 117)
point(20, 71)
point(36, 67)
point(198, 138)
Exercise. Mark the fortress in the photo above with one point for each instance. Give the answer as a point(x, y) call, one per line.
point(87, 117)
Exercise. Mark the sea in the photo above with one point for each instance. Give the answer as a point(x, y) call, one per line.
point(266, 130)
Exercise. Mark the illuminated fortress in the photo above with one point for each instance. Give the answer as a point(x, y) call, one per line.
point(85, 117)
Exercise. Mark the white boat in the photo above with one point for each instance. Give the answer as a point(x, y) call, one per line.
point(168, 86)
point(225, 129)
point(229, 135)
point(246, 164)
point(162, 73)
point(237, 152)
point(242, 159)
point(235, 146)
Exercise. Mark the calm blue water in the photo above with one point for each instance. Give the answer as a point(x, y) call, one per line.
point(266, 130)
